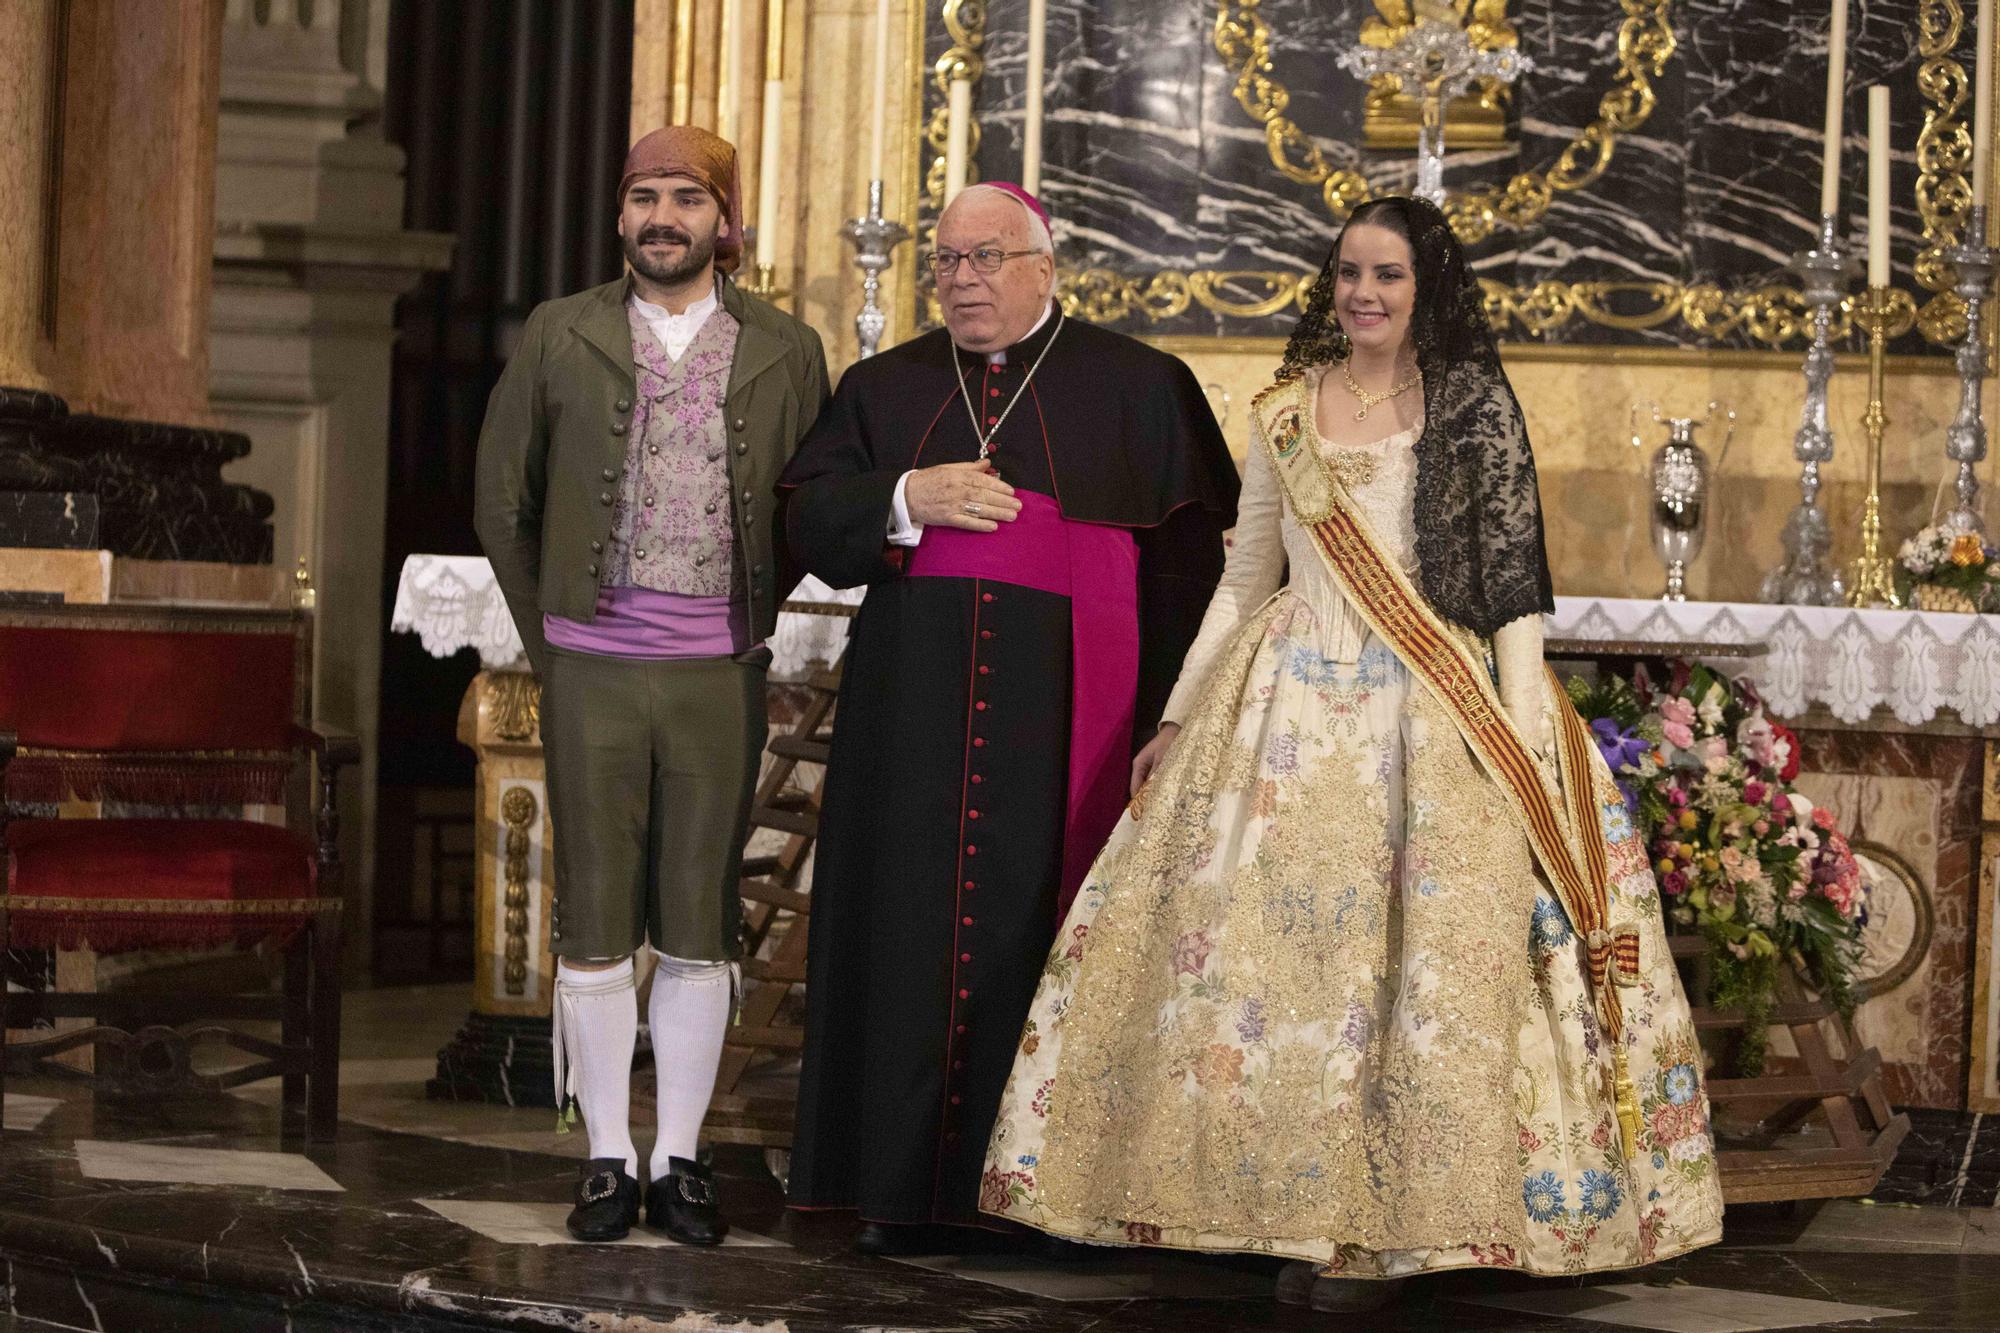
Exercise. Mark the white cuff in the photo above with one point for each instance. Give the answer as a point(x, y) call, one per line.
point(902, 530)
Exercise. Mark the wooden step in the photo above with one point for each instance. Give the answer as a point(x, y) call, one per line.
point(756, 867)
point(769, 1038)
point(764, 969)
point(829, 681)
point(789, 821)
point(1788, 1086)
point(799, 749)
point(774, 895)
point(1782, 1015)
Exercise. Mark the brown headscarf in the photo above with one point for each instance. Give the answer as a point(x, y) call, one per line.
point(706, 159)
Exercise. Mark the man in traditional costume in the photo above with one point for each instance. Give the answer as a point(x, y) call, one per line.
point(1375, 975)
point(1037, 506)
point(624, 497)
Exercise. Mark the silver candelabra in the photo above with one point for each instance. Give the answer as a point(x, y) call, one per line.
point(1805, 578)
point(1965, 438)
point(875, 239)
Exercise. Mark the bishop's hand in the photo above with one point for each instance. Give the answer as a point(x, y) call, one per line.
point(961, 495)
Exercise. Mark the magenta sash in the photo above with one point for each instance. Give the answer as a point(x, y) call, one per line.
point(1097, 568)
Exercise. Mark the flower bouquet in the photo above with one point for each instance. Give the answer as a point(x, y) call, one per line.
point(1947, 568)
point(1752, 865)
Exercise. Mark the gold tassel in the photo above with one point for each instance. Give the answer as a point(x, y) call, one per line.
point(1627, 1101)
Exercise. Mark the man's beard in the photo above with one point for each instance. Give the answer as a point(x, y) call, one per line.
point(698, 253)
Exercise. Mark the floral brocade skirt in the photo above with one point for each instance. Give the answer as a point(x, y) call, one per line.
point(1315, 1000)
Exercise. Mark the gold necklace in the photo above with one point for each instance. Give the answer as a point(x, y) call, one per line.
point(1371, 400)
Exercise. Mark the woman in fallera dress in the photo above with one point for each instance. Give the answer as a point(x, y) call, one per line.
point(1372, 976)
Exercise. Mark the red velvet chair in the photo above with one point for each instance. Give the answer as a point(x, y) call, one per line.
point(173, 710)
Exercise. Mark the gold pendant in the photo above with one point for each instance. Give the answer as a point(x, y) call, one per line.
point(1362, 414)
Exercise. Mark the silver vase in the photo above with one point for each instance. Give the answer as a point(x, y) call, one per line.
point(1677, 482)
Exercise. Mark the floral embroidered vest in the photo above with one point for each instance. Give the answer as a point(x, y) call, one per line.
point(674, 530)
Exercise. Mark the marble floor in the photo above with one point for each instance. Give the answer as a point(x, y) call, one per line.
point(186, 1213)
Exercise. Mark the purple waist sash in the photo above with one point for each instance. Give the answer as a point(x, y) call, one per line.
point(1097, 568)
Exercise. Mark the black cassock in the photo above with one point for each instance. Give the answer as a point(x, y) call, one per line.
point(936, 874)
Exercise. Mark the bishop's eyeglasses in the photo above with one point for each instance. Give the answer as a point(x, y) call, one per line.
point(985, 260)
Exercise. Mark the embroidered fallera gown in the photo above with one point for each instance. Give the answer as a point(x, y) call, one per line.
point(1315, 1000)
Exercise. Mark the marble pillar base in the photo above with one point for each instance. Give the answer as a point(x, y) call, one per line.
point(157, 488)
point(496, 1058)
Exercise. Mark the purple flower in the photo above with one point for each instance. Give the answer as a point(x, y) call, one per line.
point(1674, 883)
point(1620, 748)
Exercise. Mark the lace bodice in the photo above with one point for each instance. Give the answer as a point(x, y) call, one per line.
point(1381, 477)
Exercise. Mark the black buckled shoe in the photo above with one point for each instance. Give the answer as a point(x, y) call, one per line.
point(607, 1201)
point(684, 1204)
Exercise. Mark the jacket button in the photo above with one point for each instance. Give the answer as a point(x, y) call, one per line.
point(746, 495)
point(624, 404)
point(604, 498)
point(610, 475)
point(597, 548)
point(756, 569)
point(649, 502)
point(653, 449)
point(593, 571)
point(617, 428)
point(640, 554)
point(742, 447)
point(711, 508)
point(738, 423)
point(700, 560)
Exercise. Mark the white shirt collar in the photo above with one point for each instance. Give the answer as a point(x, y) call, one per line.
point(999, 358)
point(693, 317)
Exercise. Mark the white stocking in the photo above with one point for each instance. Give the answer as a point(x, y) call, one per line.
point(596, 1034)
point(689, 1014)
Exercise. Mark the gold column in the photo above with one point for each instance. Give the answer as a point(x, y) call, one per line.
point(28, 32)
point(500, 720)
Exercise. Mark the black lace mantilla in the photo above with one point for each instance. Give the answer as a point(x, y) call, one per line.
point(1484, 560)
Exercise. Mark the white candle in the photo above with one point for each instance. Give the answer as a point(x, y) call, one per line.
point(1836, 89)
point(878, 130)
point(1031, 125)
point(958, 138)
point(1982, 115)
point(1878, 186)
point(767, 175)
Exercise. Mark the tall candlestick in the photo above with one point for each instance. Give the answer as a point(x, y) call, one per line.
point(767, 174)
point(1031, 124)
point(731, 89)
point(1982, 110)
point(958, 138)
point(877, 130)
point(1836, 91)
point(1878, 186)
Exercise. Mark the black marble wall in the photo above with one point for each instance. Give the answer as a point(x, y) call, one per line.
point(1153, 165)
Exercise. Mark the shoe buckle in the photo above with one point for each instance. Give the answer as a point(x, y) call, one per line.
point(599, 1186)
point(695, 1191)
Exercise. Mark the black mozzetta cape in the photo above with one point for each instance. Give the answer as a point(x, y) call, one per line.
point(941, 828)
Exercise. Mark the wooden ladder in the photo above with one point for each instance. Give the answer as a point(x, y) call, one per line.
point(775, 909)
point(1844, 1087)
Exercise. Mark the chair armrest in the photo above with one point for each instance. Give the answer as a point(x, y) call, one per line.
point(334, 746)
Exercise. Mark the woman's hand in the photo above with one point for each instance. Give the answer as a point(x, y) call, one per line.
point(1149, 758)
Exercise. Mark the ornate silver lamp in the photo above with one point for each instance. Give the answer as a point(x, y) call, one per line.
point(1804, 577)
point(875, 239)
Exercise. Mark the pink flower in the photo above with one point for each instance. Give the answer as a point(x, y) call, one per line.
point(1754, 734)
point(1191, 953)
point(1754, 792)
point(1676, 797)
point(1678, 735)
point(1678, 710)
point(1715, 754)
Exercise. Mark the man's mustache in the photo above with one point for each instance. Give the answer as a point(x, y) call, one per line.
point(657, 234)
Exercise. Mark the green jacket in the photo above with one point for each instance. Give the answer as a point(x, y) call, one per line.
point(552, 450)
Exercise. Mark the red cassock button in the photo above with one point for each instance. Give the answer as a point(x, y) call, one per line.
point(972, 814)
point(970, 885)
point(985, 670)
point(993, 393)
point(976, 779)
point(981, 705)
point(961, 1029)
point(954, 1099)
point(966, 921)
point(985, 596)
point(978, 741)
point(986, 634)
point(993, 421)
point(971, 850)
point(965, 995)
point(965, 958)
point(958, 1064)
